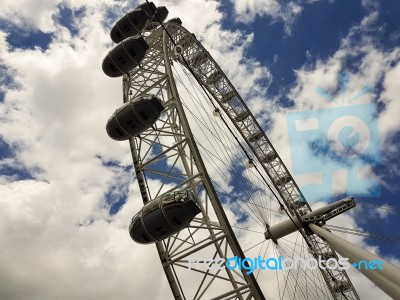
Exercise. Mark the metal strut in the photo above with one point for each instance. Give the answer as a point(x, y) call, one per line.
point(384, 274)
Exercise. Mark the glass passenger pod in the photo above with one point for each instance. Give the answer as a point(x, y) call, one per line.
point(134, 117)
point(163, 217)
point(141, 18)
point(149, 8)
point(177, 21)
point(129, 25)
point(125, 56)
point(155, 19)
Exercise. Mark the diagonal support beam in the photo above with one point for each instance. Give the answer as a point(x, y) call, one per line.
point(388, 279)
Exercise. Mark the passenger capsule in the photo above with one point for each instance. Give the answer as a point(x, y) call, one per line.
point(134, 117)
point(149, 8)
point(125, 56)
point(160, 16)
point(129, 25)
point(176, 21)
point(163, 217)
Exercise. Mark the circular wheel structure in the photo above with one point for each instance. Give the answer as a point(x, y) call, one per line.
point(196, 136)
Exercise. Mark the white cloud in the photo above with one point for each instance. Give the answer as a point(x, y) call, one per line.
point(389, 123)
point(56, 120)
point(370, 4)
point(247, 10)
point(22, 14)
point(384, 211)
point(203, 14)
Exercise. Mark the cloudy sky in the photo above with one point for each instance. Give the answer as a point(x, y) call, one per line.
point(322, 78)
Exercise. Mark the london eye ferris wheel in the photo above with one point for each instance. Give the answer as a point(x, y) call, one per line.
point(214, 188)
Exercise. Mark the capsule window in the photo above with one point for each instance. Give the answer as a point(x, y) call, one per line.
point(119, 131)
point(177, 221)
point(126, 28)
point(148, 8)
point(143, 114)
point(173, 206)
point(112, 67)
point(138, 234)
point(131, 124)
point(179, 215)
point(145, 238)
point(121, 60)
point(156, 224)
point(131, 52)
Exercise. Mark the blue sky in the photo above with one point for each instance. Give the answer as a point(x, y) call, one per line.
point(58, 166)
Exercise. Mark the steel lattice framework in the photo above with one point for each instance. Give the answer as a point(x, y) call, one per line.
point(169, 151)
